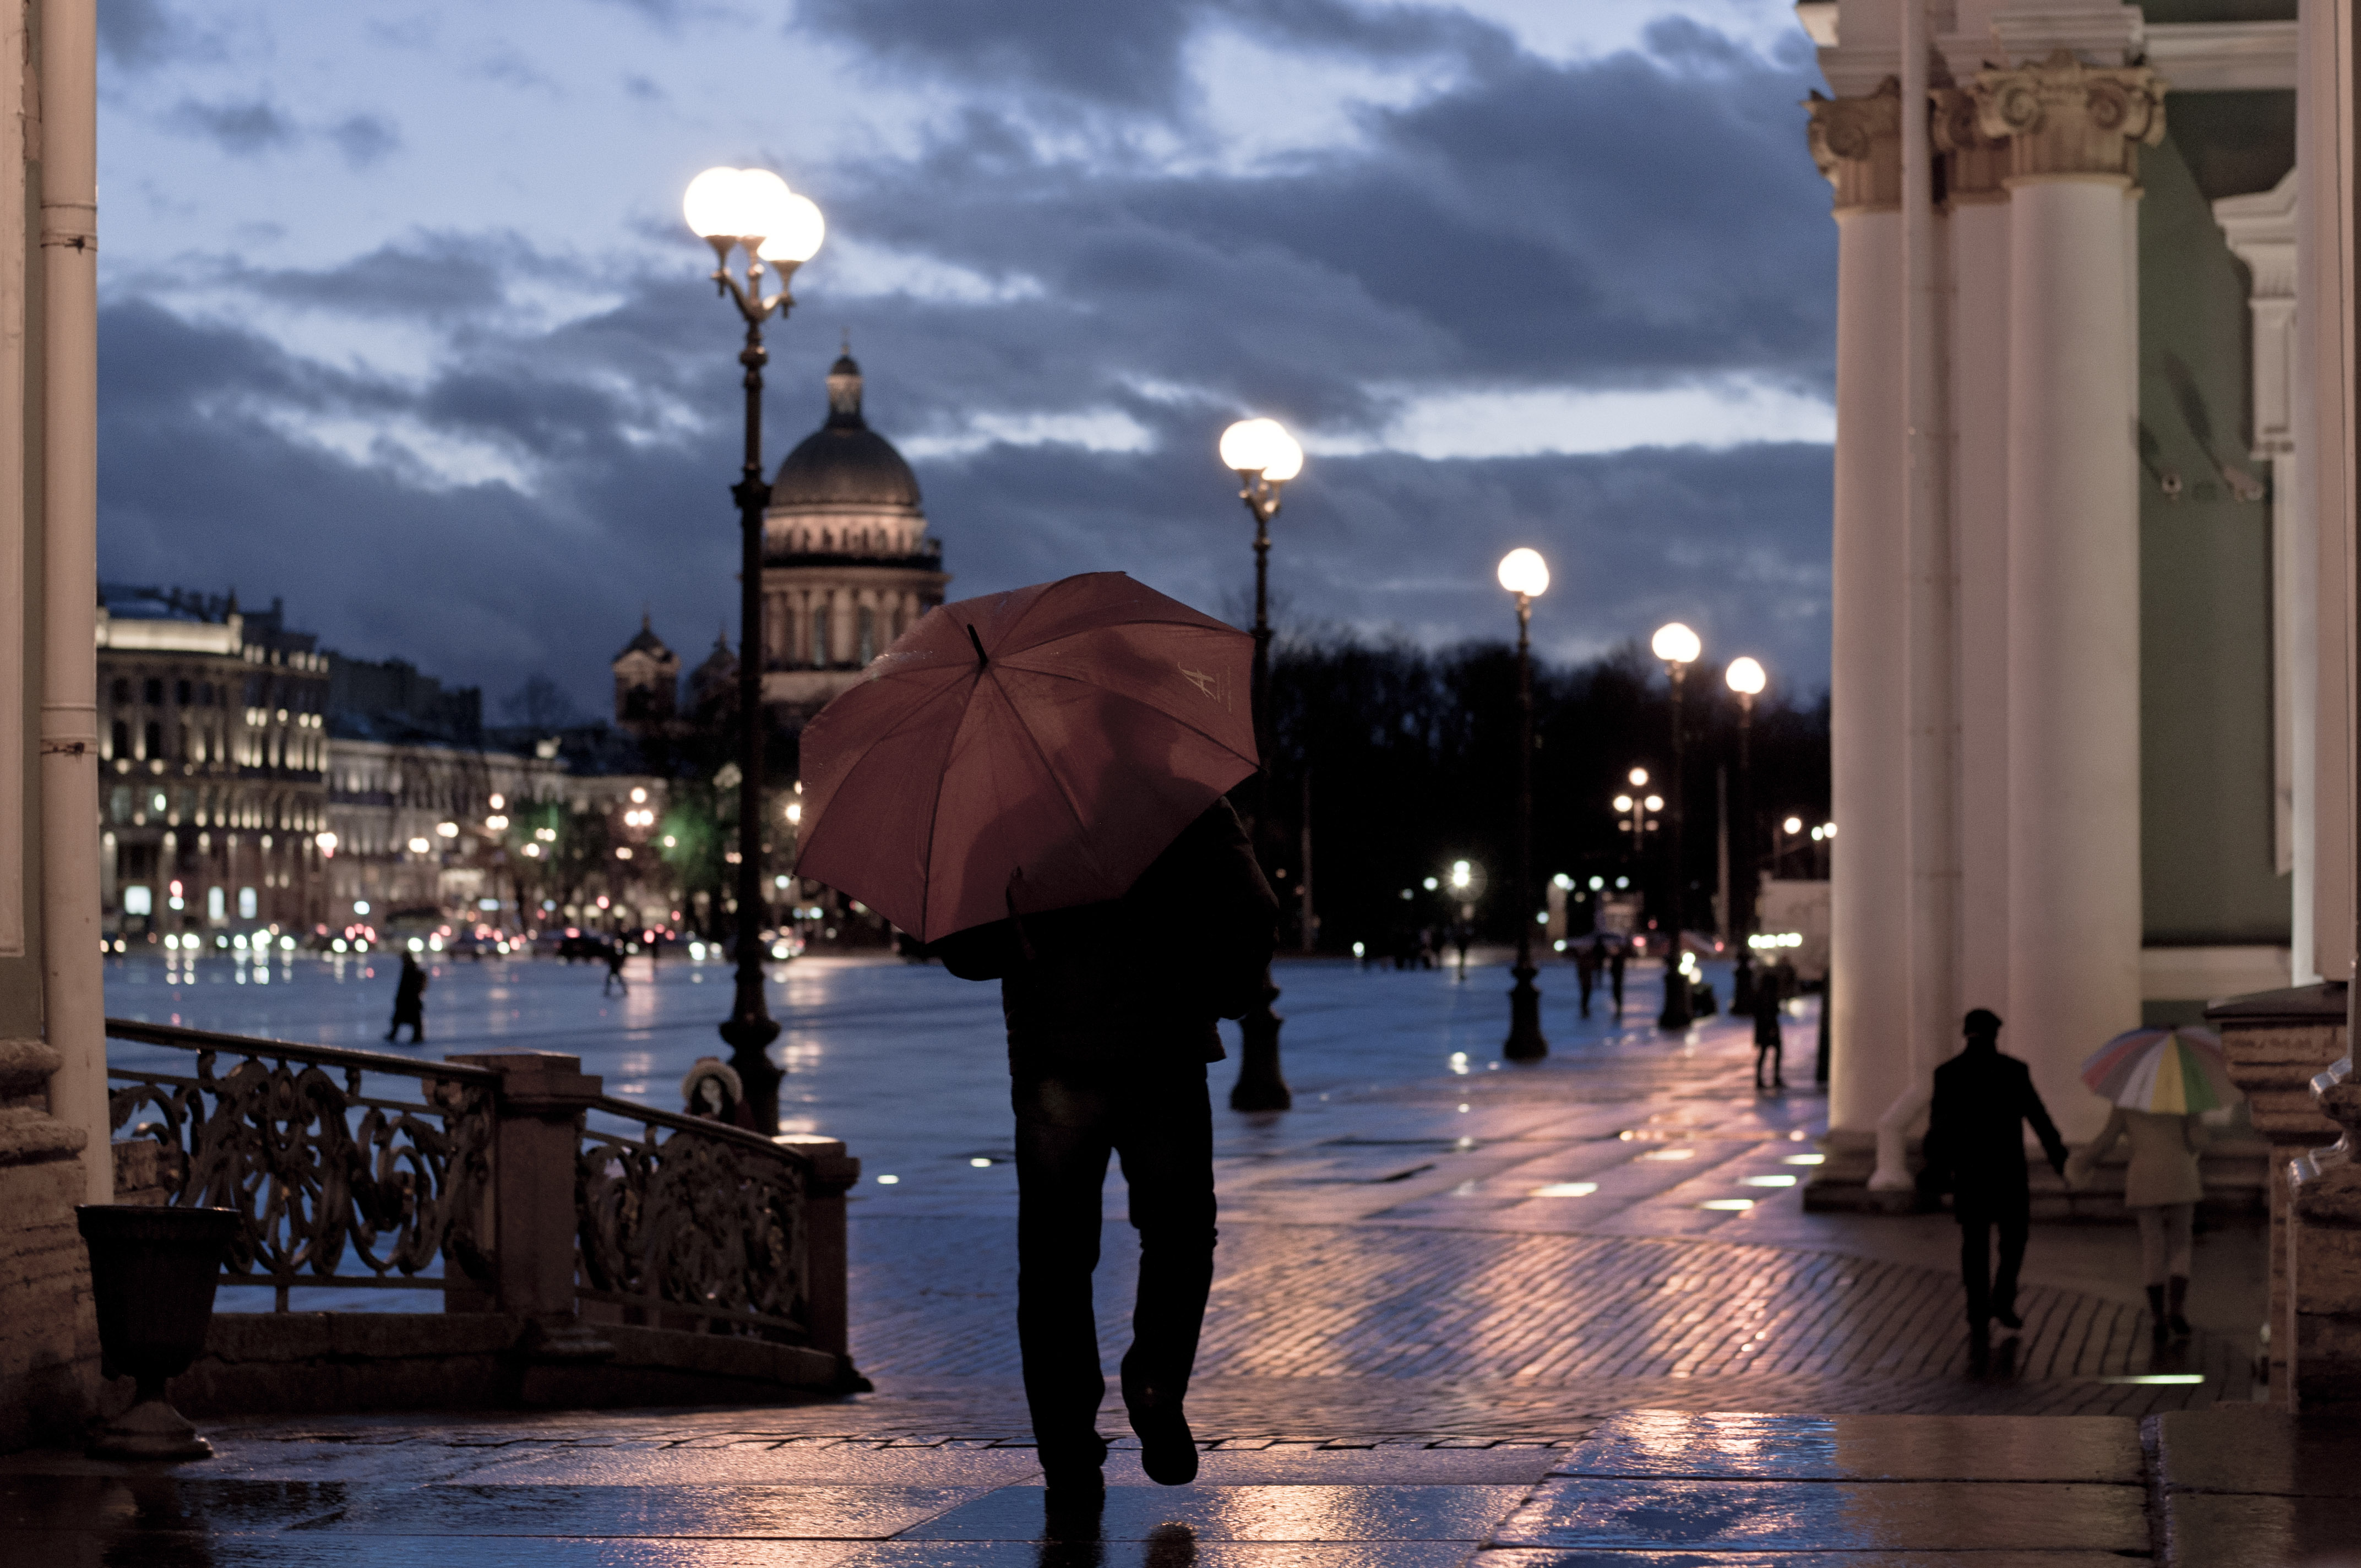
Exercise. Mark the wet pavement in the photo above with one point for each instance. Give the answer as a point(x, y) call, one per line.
point(1460, 1305)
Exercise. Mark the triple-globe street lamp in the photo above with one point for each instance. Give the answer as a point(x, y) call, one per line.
point(1524, 574)
point(752, 210)
point(1678, 647)
point(1265, 458)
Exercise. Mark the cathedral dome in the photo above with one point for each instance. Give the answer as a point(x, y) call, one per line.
point(844, 463)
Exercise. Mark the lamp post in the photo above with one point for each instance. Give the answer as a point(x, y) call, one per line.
point(1265, 458)
point(752, 209)
point(1746, 678)
point(1524, 574)
point(1678, 647)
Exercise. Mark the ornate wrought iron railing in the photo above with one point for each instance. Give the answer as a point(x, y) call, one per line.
point(708, 1224)
point(344, 1182)
point(338, 1186)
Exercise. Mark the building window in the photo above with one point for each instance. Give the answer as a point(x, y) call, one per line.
point(245, 903)
point(216, 906)
point(819, 638)
point(155, 738)
point(868, 634)
point(181, 693)
point(154, 690)
point(139, 900)
point(205, 693)
point(122, 737)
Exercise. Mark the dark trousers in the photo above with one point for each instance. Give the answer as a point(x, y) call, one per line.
point(1162, 1126)
point(1989, 1291)
point(1590, 980)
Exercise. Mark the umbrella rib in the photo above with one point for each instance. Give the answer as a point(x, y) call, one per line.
point(1016, 712)
point(1126, 697)
point(934, 816)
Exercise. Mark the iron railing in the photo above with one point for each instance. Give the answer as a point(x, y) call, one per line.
point(343, 1181)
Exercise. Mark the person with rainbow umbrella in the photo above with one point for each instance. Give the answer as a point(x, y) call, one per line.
point(2161, 1082)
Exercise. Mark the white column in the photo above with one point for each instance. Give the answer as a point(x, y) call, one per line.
point(2323, 781)
point(1858, 144)
point(2073, 567)
point(1978, 474)
point(1931, 770)
point(73, 998)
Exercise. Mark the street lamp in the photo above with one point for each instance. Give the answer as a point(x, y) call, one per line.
point(752, 209)
point(1678, 647)
point(1265, 458)
point(1746, 678)
point(1466, 885)
point(1524, 574)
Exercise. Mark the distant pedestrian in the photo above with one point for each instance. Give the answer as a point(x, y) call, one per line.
point(614, 957)
point(410, 1001)
point(1975, 1147)
point(1741, 982)
point(1588, 962)
point(1770, 1035)
point(713, 1092)
point(1111, 1010)
point(1615, 977)
point(2161, 1188)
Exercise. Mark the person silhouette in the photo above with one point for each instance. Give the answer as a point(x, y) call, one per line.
point(1615, 977)
point(1770, 1036)
point(1587, 962)
point(410, 1001)
point(1975, 1147)
point(1111, 1011)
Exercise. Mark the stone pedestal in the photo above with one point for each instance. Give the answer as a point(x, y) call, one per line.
point(531, 1221)
point(832, 1172)
point(2323, 1254)
point(2276, 1042)
point(49, 1336)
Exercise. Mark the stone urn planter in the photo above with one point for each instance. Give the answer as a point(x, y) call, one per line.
point(152, 1272)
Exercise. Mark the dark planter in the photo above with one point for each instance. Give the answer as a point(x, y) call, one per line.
point(152, 1272)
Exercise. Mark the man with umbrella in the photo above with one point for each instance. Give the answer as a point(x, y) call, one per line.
point(1975, 1146)
point(1034, 784)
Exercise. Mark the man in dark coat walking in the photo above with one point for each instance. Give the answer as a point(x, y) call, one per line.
point(1111, 1011)
point(1975, 1146)
point(1615, 977)
point(410, 1001)
point(1587, 962)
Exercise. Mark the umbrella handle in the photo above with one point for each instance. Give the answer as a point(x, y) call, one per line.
point(982, 658)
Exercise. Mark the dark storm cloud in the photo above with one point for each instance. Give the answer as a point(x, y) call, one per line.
point(364, 139)
point(1638, 221)
point(239, 129)
point(1127, 55)
point(138, 34)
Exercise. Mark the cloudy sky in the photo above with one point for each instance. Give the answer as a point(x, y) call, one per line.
point(400, 320)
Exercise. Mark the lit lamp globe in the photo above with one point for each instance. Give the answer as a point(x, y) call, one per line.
point(1524, 573)
point(1676, 643)
point(1638, 777)
point(1746, 677)
point(1262, 446)
point(1622, 803)
point(715, 204)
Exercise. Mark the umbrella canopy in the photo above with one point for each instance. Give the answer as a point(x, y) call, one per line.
point(1025, 752)
point(2175, 1071)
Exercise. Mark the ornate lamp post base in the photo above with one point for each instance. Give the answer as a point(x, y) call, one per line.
point(1259, 1086)
point(749, 1039)
point(1677, 1014)
point(1525, 1041)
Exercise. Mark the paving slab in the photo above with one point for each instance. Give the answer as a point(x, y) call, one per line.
point(1311, 1514)
point(1584, 1557)
point(2255, 1448)
point(2202, 1528)
point(1672, 1444)
point(1805, 1515)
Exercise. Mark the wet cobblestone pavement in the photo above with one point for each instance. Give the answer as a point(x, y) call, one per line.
point(1464, 1311)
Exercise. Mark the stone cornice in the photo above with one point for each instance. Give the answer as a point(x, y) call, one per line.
point(2224, 57)
point(1857, 142)
point(2063, 119)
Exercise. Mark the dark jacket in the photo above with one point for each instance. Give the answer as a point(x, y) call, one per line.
point(1975, 1130)
point(1141, 978)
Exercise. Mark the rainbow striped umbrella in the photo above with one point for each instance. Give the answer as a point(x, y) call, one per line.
point(2176, 1070)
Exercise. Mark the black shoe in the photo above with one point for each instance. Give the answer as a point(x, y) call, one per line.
point(2007, 1317)
point(1073, 1489)
point(1167, 1450)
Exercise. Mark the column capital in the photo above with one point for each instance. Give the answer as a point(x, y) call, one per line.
point(1857, 142)
point(2062, 118)
point(1974, 164)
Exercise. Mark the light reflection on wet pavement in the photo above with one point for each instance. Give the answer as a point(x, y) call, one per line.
point(1438, 1274)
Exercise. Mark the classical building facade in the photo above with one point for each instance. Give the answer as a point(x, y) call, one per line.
point(212, 759)
point(847, 567)
point(2089, 735)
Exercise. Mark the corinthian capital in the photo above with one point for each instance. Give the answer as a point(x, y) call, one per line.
point(2062, 117)
point(1973, 163)
point(1857, 142)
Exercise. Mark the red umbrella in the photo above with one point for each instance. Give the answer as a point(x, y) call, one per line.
point(1025, 752)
